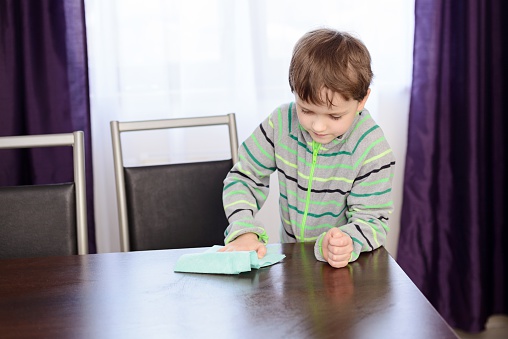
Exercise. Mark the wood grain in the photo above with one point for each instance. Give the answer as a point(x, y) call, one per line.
point(137, 295)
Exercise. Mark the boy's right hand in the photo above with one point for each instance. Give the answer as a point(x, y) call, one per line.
point(246, 242)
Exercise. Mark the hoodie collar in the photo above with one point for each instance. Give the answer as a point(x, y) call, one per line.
point(338, 142)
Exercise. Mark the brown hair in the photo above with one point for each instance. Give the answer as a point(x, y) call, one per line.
point(326, 58)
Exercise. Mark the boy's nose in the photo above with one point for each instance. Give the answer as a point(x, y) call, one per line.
point(318, 125)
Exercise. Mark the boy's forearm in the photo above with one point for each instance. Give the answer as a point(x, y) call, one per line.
point(367, 227)
point(370, 241)
point(366, 236)
point(234, 231)
point(242, 200)
point(370, 202)
point(247, 185)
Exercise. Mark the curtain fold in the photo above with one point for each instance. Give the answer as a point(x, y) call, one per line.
point(452, 222)
point(44, 89)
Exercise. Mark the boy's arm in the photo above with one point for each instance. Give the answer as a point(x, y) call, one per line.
point(247, 184)
point(337, 247)
point(369, 203)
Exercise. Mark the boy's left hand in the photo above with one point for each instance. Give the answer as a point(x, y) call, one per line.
point(337, 247)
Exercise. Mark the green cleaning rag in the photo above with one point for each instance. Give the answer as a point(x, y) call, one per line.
point(215, 262)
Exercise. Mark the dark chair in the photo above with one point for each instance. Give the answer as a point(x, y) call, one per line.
point(45, 220)
point(171, 205)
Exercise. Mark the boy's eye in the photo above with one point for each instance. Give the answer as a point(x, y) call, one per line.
point(336, 118)
point(304, 111)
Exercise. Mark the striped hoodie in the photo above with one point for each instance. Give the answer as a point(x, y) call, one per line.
point(346, 183)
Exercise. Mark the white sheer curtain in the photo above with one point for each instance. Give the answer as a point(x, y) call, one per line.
point(155, 59)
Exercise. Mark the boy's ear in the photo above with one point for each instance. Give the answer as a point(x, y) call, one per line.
point(361, 104)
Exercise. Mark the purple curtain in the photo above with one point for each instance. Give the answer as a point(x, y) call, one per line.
point(44, 89)
point(453, 230)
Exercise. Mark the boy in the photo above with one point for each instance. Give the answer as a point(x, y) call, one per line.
point(335, 167)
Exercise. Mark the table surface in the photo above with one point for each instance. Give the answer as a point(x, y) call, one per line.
point(137, 295)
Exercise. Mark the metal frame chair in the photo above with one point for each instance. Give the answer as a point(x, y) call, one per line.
point(120, 127)
point(76, 140)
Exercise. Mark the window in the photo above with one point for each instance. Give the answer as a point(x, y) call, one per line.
point(155, 59)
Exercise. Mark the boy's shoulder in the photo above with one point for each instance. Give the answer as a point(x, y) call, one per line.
point(366, 126)
point(366, 134)
point(369, 135)
point(284, 114)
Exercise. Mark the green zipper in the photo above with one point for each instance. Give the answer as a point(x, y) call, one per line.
point(315, 150)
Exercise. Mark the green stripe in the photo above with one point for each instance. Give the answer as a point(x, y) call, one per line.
point(380, 181)
point(259, 174)
point(263, 196)
point(349, 181)
point(364, 135)
point(366, 207)
point(301, 144)
point(305, 162)
point(338, 165)
point(314, 227)
point(361, 122)
point(236, 202)
point(372, 226)
point(261, 149)
point(370, 194)
point(357, 241)
point(312, 202)
point(235, 193)
point(314, 214)
point(287, 222)
point(354, 256)
point(320, 243)
point(290, 150)
point(327, 213)
point(256, 160)
point(287, 162)
point(302, 160)
point(388, 151)
point(385, 226)
point(304, 239)
point(374, 234)
point(246, 225)
point(229, 185)
point(367, 150)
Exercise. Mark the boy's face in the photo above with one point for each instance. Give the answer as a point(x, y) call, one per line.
point(325, 123)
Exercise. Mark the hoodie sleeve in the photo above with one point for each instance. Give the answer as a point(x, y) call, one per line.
point(247, 184)
point(370, 200)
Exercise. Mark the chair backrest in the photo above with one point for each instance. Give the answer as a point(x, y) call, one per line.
point(172, 205)
point(45, 220)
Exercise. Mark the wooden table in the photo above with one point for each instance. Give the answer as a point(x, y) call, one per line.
point(137, 295)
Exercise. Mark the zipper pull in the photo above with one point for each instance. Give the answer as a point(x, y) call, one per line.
point(315, 150)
